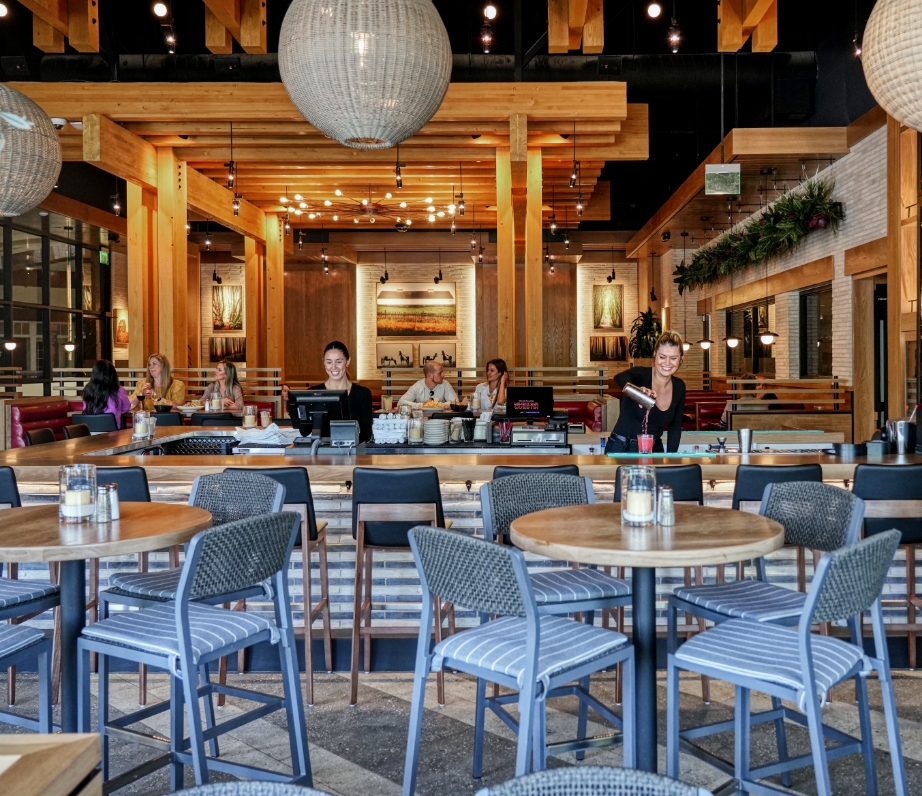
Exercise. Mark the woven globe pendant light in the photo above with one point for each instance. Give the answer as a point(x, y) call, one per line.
point(367, 73)
point(892, 58)
point(30, 153)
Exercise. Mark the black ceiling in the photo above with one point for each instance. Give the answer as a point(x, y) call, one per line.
point(817, 79)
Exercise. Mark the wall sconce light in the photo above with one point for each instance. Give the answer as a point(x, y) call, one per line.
point(9, 345)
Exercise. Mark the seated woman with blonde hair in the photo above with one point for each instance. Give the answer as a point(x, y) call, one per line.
point(159, 387)
point(226, 386)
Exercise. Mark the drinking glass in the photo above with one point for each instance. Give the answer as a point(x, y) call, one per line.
point(505, 431)
point(265, 418)
point(638, 490)
point(249, 416)
point(77, 493)
point(645, 443)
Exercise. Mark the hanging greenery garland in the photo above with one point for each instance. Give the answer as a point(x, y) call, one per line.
point(778, 229)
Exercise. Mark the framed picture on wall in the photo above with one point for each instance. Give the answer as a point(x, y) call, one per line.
point(120, 324)
point(443, 353)
point(607, 348)
point(393, 356)
point(416, 309)
point(608, 307)
point(227, 308)
point(232, 348)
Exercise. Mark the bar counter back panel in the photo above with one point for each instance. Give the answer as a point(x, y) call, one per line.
point(395, 575)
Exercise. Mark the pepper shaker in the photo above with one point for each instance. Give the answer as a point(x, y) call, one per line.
point(665, 506)
point(103, 507)
point(114, 513)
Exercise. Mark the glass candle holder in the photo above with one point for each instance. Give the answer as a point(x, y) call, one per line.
point(415, 430)
point(638, 491)
point(140, 425)
point(265, 418)
point(77, 493)
point(249, 417)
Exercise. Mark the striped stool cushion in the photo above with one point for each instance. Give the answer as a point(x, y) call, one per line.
point(154, 629)
point(572, 585)
point(17, 637)
point(13, 592)
point(746, 599)
point(159, 585)
point(499, 646)
point(770, 653)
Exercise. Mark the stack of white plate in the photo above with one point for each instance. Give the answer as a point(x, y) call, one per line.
point(435, 432)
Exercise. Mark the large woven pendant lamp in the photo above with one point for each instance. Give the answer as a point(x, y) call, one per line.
point(367, 73)
point(892, 58)
point(30, 153)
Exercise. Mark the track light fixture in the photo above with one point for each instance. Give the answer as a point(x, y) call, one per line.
point(397, 173)
point(215, 278)
point(385, 276)
point(439, 277)
point(611, 277)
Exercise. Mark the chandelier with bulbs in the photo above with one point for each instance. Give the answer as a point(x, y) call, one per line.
point(400, 213)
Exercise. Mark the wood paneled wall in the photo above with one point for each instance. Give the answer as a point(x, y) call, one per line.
point(318, 309)
point(486, 312)
point(560, 333)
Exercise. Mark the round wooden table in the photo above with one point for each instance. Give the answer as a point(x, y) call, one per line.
point(33, 533)
point(593, 534)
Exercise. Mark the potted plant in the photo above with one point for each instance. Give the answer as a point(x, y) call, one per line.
point(645, 330)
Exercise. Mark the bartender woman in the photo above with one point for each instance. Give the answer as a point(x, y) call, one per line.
point(336, 362)
point(660, 382)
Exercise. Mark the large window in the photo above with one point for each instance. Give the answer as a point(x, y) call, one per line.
point(751, 355)
point(53, 294)
point(816, 333)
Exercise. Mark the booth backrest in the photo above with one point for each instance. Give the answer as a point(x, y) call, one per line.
point(588, 412)
point(29, 414)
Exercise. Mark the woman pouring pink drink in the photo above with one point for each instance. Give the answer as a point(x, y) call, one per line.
point(652, 402)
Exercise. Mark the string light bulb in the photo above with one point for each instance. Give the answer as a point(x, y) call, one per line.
point(654, 10)
point(160, 9)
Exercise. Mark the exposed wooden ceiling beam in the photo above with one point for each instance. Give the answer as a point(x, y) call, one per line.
point(227, 13)
point(83, 25)
point(51, 12)
point(738, 20)
point(214, 201)
point(268, 102)
point(117, 151)
point(53, 20)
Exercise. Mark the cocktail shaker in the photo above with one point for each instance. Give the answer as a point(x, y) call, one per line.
point(745, 440)
point(635, 393)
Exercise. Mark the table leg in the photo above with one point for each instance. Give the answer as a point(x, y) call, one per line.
point(73, 620)
point(643, 623)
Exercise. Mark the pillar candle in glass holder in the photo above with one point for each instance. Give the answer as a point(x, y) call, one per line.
point(77, 493)
point(249, 417)
point(638, 488)
point(140, 425)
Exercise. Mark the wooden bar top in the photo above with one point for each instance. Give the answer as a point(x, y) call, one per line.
point(41, 462)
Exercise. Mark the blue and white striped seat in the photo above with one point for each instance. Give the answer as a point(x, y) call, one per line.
point(746, 599)
point(770, 653)
point(16, 592)
point(499, 646)
point(574, 585)
point(154, 629)
point(156, 585)
point(14, 638)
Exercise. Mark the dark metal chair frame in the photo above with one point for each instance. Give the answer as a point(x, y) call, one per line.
point(99, 424)
point(77, 431)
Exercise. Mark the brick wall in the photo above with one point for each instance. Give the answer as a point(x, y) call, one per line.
point(366, 280)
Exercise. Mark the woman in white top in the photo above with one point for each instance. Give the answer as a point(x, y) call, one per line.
point(492, 392)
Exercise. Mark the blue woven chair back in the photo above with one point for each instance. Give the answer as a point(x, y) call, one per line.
point(593, 781)
point(233, 496)
point(814, 515)
point(297, 491)
point(503, 470)
point(243, 788)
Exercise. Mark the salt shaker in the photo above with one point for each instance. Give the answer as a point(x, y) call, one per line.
point(103, 507)
point(114, 513)
point(665, 506)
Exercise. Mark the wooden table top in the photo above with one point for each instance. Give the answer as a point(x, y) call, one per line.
point(593, 534)
point(38, 765)
point(33, 533)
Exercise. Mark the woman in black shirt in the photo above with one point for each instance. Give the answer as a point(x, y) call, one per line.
point(660, 382)
point(336, 362)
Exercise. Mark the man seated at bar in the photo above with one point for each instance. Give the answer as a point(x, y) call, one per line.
point(661, 383)
point(336, 361)
point(104, 393)
point(757, 393)
point(226, 386)
point(159, 387)
point(432, 387)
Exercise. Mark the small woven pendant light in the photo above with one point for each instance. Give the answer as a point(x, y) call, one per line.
point(892, 58)
point(30, 153)
point(367, 73)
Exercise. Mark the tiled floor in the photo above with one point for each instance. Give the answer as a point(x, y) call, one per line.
point(360, 751)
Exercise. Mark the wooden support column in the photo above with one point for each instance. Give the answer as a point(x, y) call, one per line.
point(193, 302)
point(275, 293)
point(505, 259)
point(865, 418)
point(142, 274)
point(255, 301)
point(902, 254)
point(172, 256)
point(534, 279)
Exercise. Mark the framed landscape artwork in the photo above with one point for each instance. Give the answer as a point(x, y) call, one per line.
point(608, 307)
point(607, 348)
point(443, 353)
point(232, 348)
point(393, 356)
point(227, 308)
point(416, 309)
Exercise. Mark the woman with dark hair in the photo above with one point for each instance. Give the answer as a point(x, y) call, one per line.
point(226, 386)
point(492, 392)
point(104, 393)
point(661, 383)
point(336, 363)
